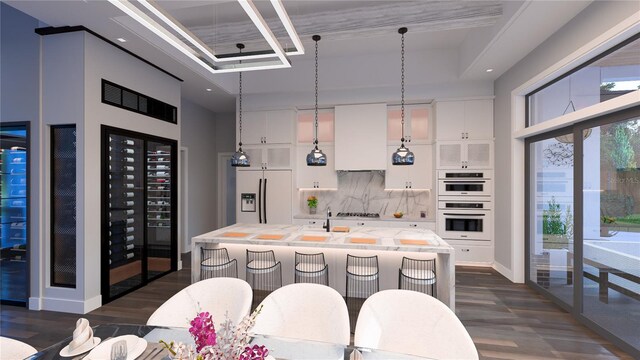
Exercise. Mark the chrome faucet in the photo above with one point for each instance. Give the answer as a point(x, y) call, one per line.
point(327, 225)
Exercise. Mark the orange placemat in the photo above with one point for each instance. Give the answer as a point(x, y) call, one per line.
point(313, 238)
point(357, 240)
point(235, 234)
point(270, 237)
point(413, 242)
point(340, 229)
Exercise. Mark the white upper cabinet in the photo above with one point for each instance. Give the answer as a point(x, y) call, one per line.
point(316, 177)
point(361, 137)
point(306, 126)
point(417, 124)
point(417, 176)
point(268, 157)
point(464, 120)
point(268, 127)
point(465, 154)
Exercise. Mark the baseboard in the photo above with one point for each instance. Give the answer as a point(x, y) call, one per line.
point(471, 263)
point(508, 273)
point(179, 264)
point(71, 306)
point(35, 303)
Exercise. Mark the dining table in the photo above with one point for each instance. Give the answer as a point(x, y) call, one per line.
point(279, 347)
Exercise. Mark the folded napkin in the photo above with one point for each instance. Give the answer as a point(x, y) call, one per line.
point(270, 237)
point(358, 240)
point(81, 335)
point(235, 234)
point(313, 238)
point(413, 242)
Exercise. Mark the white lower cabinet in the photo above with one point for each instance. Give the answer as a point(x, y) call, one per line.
point(472, 252)
point(316, 177)
point(431, 225)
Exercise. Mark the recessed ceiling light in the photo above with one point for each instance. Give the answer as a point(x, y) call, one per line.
point(489, 70)
point(208, 89)
point(121, 39)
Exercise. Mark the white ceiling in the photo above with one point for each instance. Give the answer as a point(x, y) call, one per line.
point(476, 35)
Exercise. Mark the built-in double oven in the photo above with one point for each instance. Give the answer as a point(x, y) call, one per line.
point(464, 205)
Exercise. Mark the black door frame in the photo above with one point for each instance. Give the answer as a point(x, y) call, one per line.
point(27, 126)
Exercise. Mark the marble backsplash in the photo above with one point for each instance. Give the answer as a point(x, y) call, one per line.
point(363, 191)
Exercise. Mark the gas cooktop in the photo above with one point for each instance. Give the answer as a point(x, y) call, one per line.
point(358, 214)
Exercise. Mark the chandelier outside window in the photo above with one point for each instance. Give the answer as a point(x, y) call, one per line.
point(316, 157)
point(402, 156)
point(240, 158)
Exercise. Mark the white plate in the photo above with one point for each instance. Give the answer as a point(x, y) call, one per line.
point(135, 348)
point(82, 349)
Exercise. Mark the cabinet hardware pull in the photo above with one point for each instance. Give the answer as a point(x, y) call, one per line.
point(464, 250)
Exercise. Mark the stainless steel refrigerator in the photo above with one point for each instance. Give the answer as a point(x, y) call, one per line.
point(263, 196)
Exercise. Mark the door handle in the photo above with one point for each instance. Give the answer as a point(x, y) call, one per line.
point(260, 200)
point(264, 203)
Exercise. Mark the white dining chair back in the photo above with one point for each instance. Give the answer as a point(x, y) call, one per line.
point(14, 349)
point(305, 311)
point(216, 296)
point(413, 323)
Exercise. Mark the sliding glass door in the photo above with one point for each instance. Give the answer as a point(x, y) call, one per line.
point(551, 247)
point(611, 226)
point(583, 222)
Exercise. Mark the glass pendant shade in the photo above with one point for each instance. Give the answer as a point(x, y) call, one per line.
point(240, 159)
point(316, 158)
point(402, 156)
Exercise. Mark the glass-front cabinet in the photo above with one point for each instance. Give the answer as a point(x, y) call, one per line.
point(139, 227)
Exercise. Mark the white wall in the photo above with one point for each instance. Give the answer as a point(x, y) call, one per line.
point(73, 65)
point(361, 79)
point(596, 19)
point(199, 136)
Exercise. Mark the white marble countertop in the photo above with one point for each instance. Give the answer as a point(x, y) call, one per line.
point(386, 239)
point(354, 218)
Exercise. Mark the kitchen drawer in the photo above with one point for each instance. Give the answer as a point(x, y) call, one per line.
point(414, 224)
point(466, 254)
point(317, 222)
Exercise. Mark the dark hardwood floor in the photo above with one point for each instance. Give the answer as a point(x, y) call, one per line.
point(505, 320)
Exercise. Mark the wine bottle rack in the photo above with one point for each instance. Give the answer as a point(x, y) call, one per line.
point(139, 226)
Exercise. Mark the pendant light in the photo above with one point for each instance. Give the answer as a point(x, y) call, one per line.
point(316, 157)
point(240, 158)
point(402, 156)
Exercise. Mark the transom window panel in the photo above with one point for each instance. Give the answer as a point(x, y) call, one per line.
point(612, 74)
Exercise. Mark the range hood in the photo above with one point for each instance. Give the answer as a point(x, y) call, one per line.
point(361, 137)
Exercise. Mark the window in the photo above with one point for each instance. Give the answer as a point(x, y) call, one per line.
point(615, 72)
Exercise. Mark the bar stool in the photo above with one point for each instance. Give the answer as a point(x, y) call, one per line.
point(263, 271)
point(216, 263)
point(311, 268)
point(418, 275)
point(362, 276)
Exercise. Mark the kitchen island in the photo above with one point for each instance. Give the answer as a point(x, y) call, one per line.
point(389, 244)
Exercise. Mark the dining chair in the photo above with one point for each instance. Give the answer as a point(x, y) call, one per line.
point(216, 296)
point(413, 323)
point(418, 275)
point(216, 263)
point(311, 268)
point(305, 311)
point(15, 349)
